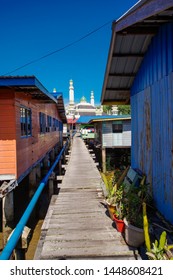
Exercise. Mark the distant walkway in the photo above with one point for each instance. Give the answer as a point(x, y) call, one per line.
point(76, 225)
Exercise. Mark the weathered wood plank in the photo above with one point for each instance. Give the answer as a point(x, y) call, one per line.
point(62, 234)
point(105, 249)
point(77, 225)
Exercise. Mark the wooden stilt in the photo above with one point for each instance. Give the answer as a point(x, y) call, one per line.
point(104, 160)
point(7, 216)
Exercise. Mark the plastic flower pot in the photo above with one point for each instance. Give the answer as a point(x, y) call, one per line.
point(134, 236)
point(120, 226)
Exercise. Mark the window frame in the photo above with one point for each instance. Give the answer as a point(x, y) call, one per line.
point(42, 122)
point(117, 127)
point(25, 122)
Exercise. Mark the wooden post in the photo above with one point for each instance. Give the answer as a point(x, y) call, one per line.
point(38, 173)
point(32, 182)
point(104, 160)
point(19, 254)
point(51, 184)
point(52, 156)
point(7, 216)
point(46, 165)
point(56, 150)
point(32, 190)
point(60, 167)
point(22, 244)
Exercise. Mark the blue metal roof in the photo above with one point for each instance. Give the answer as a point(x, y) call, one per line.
point(85, 119)
point(131, 36)
point(89, 119)
point(29, 83)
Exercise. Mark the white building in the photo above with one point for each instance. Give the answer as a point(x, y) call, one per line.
point(83, 108)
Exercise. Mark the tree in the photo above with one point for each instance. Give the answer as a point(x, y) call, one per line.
point(107, 109)
point(124, 109)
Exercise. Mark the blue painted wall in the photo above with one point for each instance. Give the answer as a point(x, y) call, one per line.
point(152, 119)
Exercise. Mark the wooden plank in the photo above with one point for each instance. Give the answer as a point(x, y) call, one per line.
point(104, 234)
point(76, 225)
point(52, 250)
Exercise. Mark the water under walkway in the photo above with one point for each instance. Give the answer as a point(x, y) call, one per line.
point(76, 225)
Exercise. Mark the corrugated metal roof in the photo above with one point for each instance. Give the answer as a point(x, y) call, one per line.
point(61, 107)
point(110, 118)
point(31, 85)
point(84, 119)
point(131, 36)
point(89, 119)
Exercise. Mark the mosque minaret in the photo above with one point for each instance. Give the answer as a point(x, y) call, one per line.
point(83, 108)
point(71, 93)
point(92, 98)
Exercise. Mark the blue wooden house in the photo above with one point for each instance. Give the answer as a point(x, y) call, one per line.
point(140, 71)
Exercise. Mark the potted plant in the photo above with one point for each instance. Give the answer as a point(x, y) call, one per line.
point(120, 209)
point(111, 205)
point(112, 183)
point(133, 199)
point(110, 193)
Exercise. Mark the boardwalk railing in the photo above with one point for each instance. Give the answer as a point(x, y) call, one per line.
point(13, 240)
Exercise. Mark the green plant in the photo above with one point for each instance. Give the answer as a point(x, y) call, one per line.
point(111, 200)
point(157, 250)
point(107, 179)
point(117, 175)
point(124, 109)
point(133, 199)
point(120, 208)
point(109, 166)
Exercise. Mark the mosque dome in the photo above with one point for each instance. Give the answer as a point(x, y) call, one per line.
point(83, 100)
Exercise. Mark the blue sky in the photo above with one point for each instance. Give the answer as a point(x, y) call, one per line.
point(34, 28)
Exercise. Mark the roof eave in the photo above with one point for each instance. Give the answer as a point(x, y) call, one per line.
point(142, 10)
point(61, 108)
point(26, 83)
point(143, 19)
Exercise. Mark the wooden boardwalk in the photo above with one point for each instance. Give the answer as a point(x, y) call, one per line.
point(76, 225)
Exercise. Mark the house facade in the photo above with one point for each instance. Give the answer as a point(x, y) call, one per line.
point(142, 43)
point(113, 138)
point(31, 123)
point(31, 126)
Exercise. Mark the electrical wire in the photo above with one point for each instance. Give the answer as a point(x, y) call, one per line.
point(58, 50)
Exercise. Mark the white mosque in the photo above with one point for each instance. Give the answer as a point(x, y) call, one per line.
point(74, 111)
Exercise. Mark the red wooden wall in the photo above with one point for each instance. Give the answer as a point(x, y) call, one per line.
point(17, 153)
point(7, 135)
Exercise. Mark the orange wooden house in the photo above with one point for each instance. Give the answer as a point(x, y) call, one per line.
point(31, 124)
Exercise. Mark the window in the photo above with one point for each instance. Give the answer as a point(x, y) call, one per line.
point(57, 125)
point(117, 127)
point(49, 124)
point(42, 118)
point(60, 126)
point(25, 122)
point(54, 125)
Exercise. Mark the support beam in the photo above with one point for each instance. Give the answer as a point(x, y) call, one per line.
point(128, 55)
point(104, 160)
point(32, 190)
point(60, 167)
point(52, 156)
point(7, 216)
point(51, 184)
point(32, 182)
